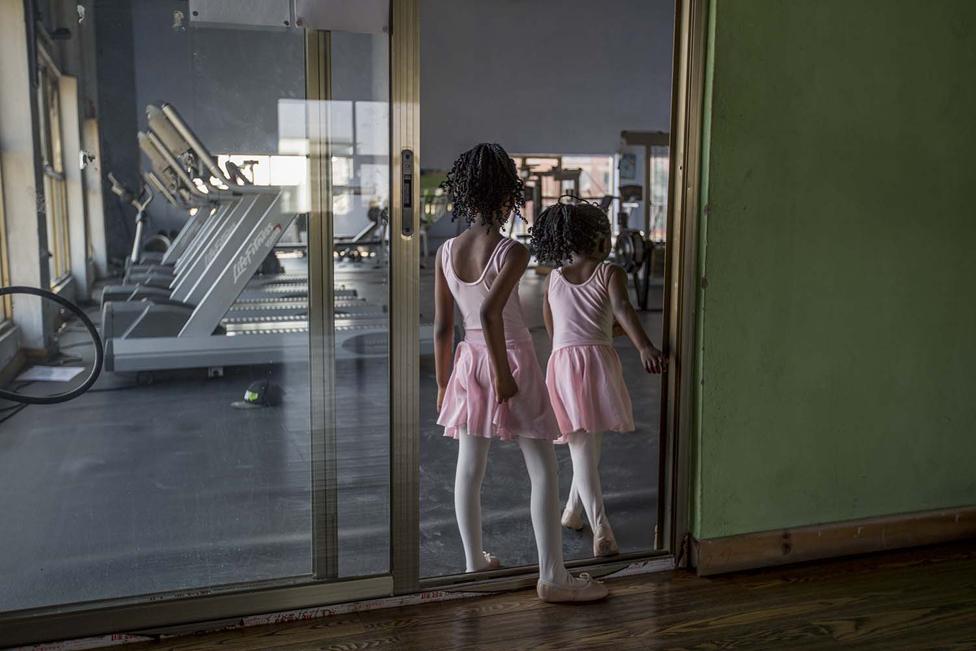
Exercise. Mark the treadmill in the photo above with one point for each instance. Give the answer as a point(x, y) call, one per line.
point(203, 321)
point(182, 176)
point(180, 172)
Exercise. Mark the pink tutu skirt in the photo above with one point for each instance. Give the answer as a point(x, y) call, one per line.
point(470, 406)
point(587, 390)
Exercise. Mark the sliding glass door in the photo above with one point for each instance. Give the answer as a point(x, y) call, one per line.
point(285, 455)
point(241, 465)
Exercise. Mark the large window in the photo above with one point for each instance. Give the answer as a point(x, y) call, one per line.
point(660, 163)
point(55, 199)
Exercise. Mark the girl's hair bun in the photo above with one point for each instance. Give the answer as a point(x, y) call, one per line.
point(567, 227)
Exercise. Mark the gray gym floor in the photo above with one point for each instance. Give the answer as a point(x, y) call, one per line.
point(135, 489)
point(629, 468)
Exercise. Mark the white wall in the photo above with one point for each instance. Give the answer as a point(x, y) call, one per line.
point(74, 185)
point(94, 203)
point(542, 76)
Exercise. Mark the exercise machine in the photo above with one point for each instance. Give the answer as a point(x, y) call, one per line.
point(374, 235)
point(152, 250)
point(637, 255)
point(211, 315)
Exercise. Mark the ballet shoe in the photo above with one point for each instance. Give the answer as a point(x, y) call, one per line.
point(572, 519)
point(604, 543)
point(492, 562)
point(581, 590)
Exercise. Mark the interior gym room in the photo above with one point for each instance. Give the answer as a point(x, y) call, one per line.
point(275, 276)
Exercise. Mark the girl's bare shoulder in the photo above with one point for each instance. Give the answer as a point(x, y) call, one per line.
point(517, 252)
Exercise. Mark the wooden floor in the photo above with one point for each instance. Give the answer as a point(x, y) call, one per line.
point(921, 599)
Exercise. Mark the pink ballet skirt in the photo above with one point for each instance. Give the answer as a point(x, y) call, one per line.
point(470, 406)
point(584, 376)
point(587, 390)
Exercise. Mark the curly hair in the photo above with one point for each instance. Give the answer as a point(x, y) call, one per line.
point(563, 229)
point(484, 185)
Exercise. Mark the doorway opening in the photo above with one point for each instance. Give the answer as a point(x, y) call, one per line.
point(567, 109)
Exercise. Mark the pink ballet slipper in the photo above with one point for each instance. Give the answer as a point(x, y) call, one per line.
point(491, 561)
point(580, 590)
point(604, 544)
point(572, 519)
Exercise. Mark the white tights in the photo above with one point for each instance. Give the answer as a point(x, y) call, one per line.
point(585, 492)
point(540, 461)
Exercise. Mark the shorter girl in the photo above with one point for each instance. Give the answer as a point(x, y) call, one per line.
point(583, 299)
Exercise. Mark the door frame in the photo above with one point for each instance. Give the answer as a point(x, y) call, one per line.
point(190, 609)
point(669, 547)
point(681, 264)
point(405, 296)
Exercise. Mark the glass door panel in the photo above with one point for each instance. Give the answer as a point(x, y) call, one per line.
point(349, 138)
point(240, 434)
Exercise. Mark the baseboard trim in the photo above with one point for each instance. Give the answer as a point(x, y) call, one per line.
point(798, 544)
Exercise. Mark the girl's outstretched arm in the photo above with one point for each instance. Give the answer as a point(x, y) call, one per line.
point(546, 310)
point(623, 312)
point(493, 324)
point(443, 330)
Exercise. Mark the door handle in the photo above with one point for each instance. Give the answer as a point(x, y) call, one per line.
point(406, 193)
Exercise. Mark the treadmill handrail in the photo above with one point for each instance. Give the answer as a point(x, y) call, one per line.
point(358, 237)
point(198, 148)
point(173, 164)
point(154, 181)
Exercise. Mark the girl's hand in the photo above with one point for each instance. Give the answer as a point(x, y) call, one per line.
point(653, 360)
point(505, 388)
point(440, 398)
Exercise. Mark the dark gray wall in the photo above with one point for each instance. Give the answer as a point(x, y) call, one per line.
point(226, 83)
point(542, 76)
point(117, 116)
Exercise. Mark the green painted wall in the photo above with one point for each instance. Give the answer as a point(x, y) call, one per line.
point(837, 333)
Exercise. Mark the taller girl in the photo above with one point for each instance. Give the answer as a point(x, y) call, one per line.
point(492, 386)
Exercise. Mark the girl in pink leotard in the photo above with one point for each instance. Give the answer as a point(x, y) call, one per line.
point(584, 297)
